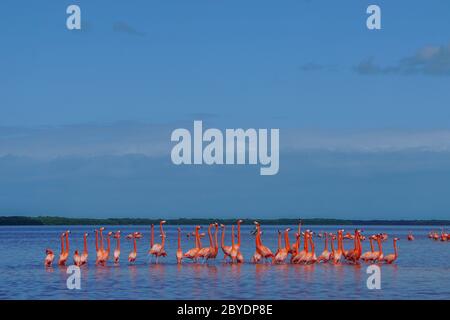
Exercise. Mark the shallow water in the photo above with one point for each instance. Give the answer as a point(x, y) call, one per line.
point(421, 272)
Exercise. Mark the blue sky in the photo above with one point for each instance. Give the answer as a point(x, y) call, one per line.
point(86, 116)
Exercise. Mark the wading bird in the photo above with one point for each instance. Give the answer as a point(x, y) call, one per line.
point(117, 250)
point(179, 251)
point(262, 249)
point(64, 251)
point(226, 249)
point(84, 254)
point(325, 255)
point(390, 258)
point(193, 253)
point(133, 254)
point(50, 256)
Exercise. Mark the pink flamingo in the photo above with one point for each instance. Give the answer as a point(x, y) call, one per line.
point(50, 256)
point(326, 255)
point(390, 258)
point(84, 255)
point(117, 250)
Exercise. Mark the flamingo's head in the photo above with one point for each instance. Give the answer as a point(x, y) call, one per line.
point(86, 234)
point(76, 252)
point(129, 236)
point(178, 229)
point(117, 234)
point(396, 239)
point(102, 228)
point(48, 251)
point(256, 223)
point(202, 235)
point(240, 221)
point(67, 232)
point(222, 225)
point(110, 234)
point(216, 224)
point(163, 221)
point(288, 229)
point(138, 235)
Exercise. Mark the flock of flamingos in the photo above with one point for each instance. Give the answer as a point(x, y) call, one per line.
point(232, 253)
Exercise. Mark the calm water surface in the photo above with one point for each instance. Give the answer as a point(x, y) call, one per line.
point(421, 272)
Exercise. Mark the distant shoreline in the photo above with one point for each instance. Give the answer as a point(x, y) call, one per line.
point(56, 221)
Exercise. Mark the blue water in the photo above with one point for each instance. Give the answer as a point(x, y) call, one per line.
point(421, 272)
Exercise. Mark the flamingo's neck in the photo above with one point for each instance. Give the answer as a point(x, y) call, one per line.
point(134, 245)
point(101, 240)
point(371, 244)
point(312, 244)
point(118, 243)
point(85, 250)
point(286, 240)
point(197, 239)
point(223, 237)
point(152, 236)
point(232, 235)
point(332, 245)
point(211, 243)
point(395, 249)
point(326, 242)
point(215, 238)
point(161, 229)
point(67, 242)
point(179, 239)
point(239, 232)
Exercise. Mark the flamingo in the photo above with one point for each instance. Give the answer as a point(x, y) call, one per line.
point(207, 251)
point(369, 255)
point(216, 241)
point(256, 256)
point(64, 252)
point(84, 255)
point(105, 253)
point(282, 253)
point(378, 255)
point(279, 242)
point(226, 249)
point(354, 254)
point(390, 258)
point(300, 256)
point(338, 253)
point(192, 253)
point(311, 256)
point(179, 251)
point(117, 250)
point(50, 256)
point(235, 248)
point(99, 249)
point(295, 246)
point(326, 255)
point(133, 254)
point(262, 249)
point(158, 249)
